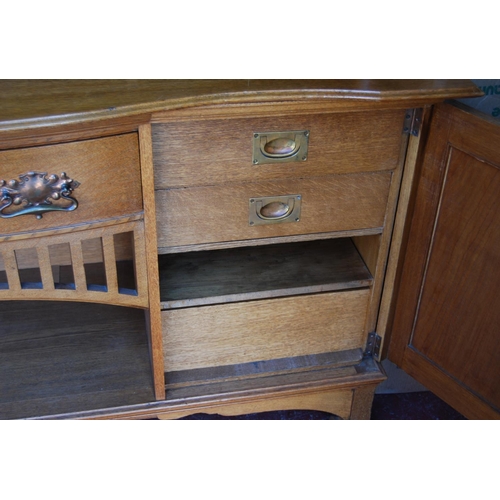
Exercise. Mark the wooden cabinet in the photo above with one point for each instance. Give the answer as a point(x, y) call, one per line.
point(447, 320)
point(259, 229)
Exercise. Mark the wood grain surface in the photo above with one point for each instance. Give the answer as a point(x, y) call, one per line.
point(74, 246)
point(60, 256)
point(213, 214)
point(200, 153)
point(264, 329)
point(57, 358)
point(463, 275)
point(39, 103)
point(324, 390)
point(169, 162)
point(150, 257)
point(447, 313)
point(108, 172)
point(261, 369)
point(200, 278)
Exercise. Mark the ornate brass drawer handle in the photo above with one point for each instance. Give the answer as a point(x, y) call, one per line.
point(273, 147)
point(35, 191)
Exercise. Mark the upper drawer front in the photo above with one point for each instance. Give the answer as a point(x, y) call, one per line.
point(209, 214)
point(107, 171)
point(216, 151)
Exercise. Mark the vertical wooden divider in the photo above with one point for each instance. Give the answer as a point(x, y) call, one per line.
point(154, 312)
point(140, 261)
point(10, 263)
point(78, 266)
point(45, 267)
point(108, 250)
point(385, 240)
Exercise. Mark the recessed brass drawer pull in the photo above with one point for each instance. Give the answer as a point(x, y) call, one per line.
point(34, 191)
point(271, 147)
point(271, 210)
point(274, 210)
point(281, 147)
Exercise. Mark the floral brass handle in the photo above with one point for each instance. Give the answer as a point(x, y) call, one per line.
point(34, 191)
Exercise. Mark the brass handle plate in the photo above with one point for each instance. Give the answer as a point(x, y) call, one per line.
point(274, 209)
point(34, 192)
point(278, 147)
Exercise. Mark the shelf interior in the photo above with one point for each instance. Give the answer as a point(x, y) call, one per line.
point(64, 357)
point(240, 274)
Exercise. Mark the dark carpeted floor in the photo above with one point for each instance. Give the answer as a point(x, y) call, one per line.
point(407, 406)
point(412, 406)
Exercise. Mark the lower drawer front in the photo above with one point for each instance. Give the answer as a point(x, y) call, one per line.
point(210, 214)
point(244, 332)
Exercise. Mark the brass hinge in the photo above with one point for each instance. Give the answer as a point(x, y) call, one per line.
point(373, 345)
point(413, 121)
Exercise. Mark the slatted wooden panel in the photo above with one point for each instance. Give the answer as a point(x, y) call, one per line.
point(82, 288)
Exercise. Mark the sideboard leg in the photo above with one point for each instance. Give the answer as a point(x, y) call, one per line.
point(362, 402)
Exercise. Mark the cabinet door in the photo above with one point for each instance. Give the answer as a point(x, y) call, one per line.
point(446, 330)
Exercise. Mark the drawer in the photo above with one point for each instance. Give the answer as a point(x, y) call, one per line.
point(211, 152)
point(260, 330)
point(210, 214)
point(107, 171)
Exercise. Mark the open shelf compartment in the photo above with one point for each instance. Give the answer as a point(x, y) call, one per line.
point(242, 274)
point(248, 312)
point(58, 357)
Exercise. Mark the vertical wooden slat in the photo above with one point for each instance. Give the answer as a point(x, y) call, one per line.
point(10, 262)
point(151, 249)
point(45, 267)
point(56, 273)
point(141, 271)
point(78, 268)
point(108, 248)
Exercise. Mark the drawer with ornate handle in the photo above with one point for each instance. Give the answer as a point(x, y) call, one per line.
point(209, 152)
point(61, 185)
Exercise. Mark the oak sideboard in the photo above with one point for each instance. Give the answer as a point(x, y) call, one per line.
point(178, 247)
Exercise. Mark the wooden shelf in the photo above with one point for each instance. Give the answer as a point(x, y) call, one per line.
point(221, 388)
point(57, 358)
point(241, 274)
point(329, 387)
point(262, 369)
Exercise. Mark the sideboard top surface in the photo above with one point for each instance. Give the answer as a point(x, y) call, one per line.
point(40, 103)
